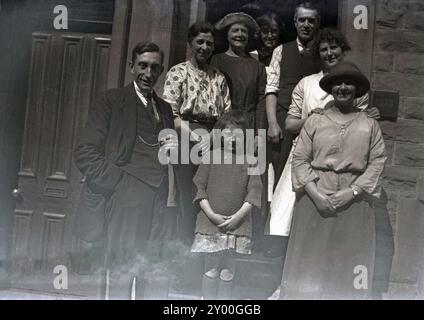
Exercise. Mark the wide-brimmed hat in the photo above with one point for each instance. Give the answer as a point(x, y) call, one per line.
point(237, 17)
point(348, 72)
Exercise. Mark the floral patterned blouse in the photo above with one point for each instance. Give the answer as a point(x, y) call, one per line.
point(196, 94)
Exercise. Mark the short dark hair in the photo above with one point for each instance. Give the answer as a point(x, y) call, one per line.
point(237, 118)
point(330, 35)
point(146, 46)
point(311, 5)
point(199, 27)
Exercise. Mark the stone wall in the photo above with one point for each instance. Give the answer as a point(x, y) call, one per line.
point(399, 66)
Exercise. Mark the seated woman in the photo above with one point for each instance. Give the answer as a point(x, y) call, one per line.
point(336, 169)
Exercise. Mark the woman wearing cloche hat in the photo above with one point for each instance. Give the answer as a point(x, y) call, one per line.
point(246, 77)
point(336, 172)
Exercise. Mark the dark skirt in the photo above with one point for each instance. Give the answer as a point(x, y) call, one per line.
point(330, 258)
point(188, 209)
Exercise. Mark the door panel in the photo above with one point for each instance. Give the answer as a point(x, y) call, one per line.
point(67, 73)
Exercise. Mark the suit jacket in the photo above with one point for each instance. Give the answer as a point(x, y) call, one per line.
point(106, 144)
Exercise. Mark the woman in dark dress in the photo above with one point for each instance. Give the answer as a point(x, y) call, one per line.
point(246, 77)
point(336, 171)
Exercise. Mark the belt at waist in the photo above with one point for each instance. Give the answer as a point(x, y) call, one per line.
point(200, 122)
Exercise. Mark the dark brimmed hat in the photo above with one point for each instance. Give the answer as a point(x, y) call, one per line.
point(237, 17)
point(348, 72)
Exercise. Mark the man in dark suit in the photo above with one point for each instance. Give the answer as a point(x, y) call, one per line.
point(128, 196)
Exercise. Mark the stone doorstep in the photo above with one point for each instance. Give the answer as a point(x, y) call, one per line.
point(256, 277)
point(401, 291)
point(21, 294)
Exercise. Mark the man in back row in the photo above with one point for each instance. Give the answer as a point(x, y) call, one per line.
point(289, 64)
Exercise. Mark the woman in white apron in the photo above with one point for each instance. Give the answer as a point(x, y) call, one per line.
point(331, 46)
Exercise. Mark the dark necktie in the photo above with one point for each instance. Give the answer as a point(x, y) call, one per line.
point(151, 109)
point(306, 52)
point(308, 61)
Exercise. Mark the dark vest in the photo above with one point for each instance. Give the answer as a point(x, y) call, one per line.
point(294, 66)
point(144, 163)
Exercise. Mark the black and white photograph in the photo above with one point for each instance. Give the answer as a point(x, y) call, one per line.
point(228, 151)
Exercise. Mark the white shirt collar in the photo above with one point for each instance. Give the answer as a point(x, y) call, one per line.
point(300, 46)
point(144, 100)
point(140, 94)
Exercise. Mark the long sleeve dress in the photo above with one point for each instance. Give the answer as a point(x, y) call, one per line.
point(227, 187)
point(307, 96)
point(326, 255)
point(246, 77)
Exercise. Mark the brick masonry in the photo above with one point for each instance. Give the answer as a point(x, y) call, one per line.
point(399, 66)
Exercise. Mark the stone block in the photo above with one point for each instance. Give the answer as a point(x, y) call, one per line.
point(409, 63)
point(407, 84)
point(383, 62)
point(401, 291)
point(416, 5)
point(258, 271)
point(409, 154)
point(390, 13)
point(392, 207)
point(403, 130)
point(411, 229)
point(404, 271)
point(402, 180)
point(389, 151)
point(399, 41)
point(414, 20)
point(420, 189)
point(409, 253)
point(412, 108)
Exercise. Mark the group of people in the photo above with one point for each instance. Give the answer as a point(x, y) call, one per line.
point(324, 146)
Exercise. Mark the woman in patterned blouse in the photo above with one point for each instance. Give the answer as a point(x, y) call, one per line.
point(199, 95)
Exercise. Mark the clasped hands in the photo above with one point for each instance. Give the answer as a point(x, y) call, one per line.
point(329, 204)
point(227, 223)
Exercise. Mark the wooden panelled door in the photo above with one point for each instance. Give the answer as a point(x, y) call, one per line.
point(68, 70)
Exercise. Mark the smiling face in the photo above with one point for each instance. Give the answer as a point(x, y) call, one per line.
point(232, 136)
point(238, 37)
point(146, 69)
point(330, 54)
point(344, 92)
point(306, 22)
point(202, 47)
point(270, 34)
